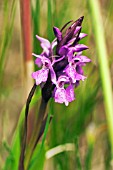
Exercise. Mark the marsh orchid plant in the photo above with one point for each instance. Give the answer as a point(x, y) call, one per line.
point(61, 63)
point(61, 71)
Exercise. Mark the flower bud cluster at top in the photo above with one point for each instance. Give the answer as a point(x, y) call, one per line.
point(64, 65)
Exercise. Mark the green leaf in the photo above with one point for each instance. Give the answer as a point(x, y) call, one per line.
point(12, 160)
point(7, 34)
point(39, 153)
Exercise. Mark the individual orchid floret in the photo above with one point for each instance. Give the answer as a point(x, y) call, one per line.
point(47, 49)
point(61, 94)
point(73, 74)
point(41, 76)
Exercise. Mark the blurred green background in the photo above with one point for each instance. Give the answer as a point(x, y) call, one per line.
point(82, 132)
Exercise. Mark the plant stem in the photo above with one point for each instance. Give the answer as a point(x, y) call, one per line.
point(21, 162)
point(88, 158)
point(96, 19)
point(46, 126)
point(27, 42)
point(32, 143)
point(26, 27)
point(78, 160)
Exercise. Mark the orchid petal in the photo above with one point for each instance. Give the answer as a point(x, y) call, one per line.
point(77, 29)
point(70, 93)
point(38, 56)
point(60, 96)
point(45, 44)
point(82, 35)
point(83, 59)
point(38, 62)
point(72, 73)
point(53, 75)
point(63, 50)
point(40, 76)
point(79, 48)
point(54, 43)
point(57, 33)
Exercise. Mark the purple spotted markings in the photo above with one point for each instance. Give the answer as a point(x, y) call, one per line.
point(62, 62)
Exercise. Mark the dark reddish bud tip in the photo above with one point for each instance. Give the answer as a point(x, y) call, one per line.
point(81, 19)
point(78, 22)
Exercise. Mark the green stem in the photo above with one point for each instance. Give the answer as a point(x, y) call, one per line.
point(103, 64)
point(32, 143)
point(88, 158)
point(49, 117)
point(21, 162)
point(78, 160)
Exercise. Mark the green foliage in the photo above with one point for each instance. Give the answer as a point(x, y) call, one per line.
point(77, 155)
point(88, 157)
point(68, 124)
point(7, 33)
point(39, 153)
point(49, 20)
point(103, 65)
point(38, 158)
point(14, 154)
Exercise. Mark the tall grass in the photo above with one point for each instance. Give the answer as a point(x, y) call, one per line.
point(103, 65)
point(7, 29)
point(69, 124)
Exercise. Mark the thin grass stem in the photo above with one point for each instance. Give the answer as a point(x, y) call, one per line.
point(99, 34)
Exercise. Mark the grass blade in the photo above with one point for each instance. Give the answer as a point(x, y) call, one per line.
point(41, 149)
point(8, 29)
point(13, 158)
point(103, 64)
point(49, 20)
